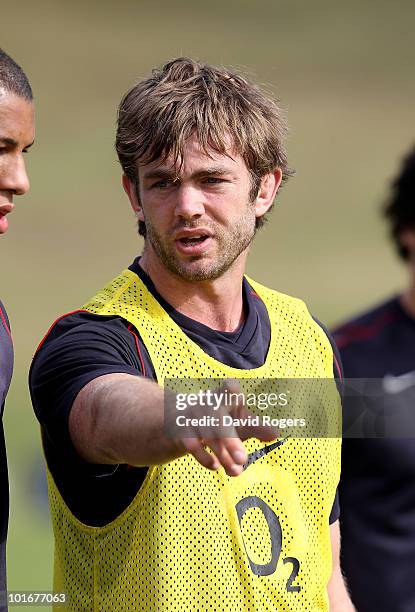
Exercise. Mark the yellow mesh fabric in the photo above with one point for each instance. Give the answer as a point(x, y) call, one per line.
point(200, 541)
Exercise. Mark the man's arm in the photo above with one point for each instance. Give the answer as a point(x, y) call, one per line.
point(338, 596)
point(118, 418)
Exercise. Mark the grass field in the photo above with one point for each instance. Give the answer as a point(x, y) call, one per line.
point(342, 71)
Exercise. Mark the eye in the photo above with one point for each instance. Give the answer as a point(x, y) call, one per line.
point(162, 184)
point(213, 180)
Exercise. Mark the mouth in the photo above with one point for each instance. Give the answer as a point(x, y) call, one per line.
point(5, 209)
point(193, 242)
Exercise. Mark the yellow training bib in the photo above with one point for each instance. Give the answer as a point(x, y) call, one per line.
point(193, 540)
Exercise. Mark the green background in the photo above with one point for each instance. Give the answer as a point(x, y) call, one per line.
point(343, 72)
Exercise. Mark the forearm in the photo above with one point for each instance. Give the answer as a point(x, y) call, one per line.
point(118, 418)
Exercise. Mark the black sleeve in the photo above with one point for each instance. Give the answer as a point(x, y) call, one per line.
point(335, 511)
point(78, 348)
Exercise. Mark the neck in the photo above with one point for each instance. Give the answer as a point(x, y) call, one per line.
point(218, 303)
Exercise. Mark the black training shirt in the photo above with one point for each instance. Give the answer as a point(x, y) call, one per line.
point(377, 493)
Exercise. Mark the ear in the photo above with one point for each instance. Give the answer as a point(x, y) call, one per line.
point(407, 240)
point(130, 189)
point(267, 191)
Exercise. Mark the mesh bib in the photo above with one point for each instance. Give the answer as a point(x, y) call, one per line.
point(200, 541)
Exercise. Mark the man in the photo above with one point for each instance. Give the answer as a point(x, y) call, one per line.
point(16, 136)
point(376, 493)
point(202, 155)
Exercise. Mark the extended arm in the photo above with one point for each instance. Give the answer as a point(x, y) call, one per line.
point(118, 418)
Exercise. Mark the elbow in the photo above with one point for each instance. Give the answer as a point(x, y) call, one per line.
point(88, 429)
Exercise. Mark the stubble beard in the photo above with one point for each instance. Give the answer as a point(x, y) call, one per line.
point(230, 244)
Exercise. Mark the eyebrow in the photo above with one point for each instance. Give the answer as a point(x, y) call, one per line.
point(161, 173)
point(13, 143)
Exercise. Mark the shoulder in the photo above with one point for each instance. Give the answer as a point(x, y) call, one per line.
point(291, 309)
point(81, 335)
point(368, 325)
point(83, 323)
point(282, 299)
point(292, 314)
point(77, 348)
point(286, 310)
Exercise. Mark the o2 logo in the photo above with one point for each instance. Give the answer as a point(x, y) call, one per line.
point(275, 532)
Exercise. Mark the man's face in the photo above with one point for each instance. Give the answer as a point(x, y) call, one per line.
point(17, 133)
point(199, 218)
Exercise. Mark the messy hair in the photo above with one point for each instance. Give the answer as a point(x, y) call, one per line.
point(184, 97)
point(400, 207)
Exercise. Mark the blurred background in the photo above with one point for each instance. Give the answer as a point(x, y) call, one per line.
point(343, 72)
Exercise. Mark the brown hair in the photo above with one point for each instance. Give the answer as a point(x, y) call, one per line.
point(399, 209)
point(158, 115)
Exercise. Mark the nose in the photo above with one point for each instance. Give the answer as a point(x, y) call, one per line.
point(16, 178)
point(189, 202)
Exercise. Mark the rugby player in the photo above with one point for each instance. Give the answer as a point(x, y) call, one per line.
point(16, 136)
point(376, 492)
point(144, 521)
